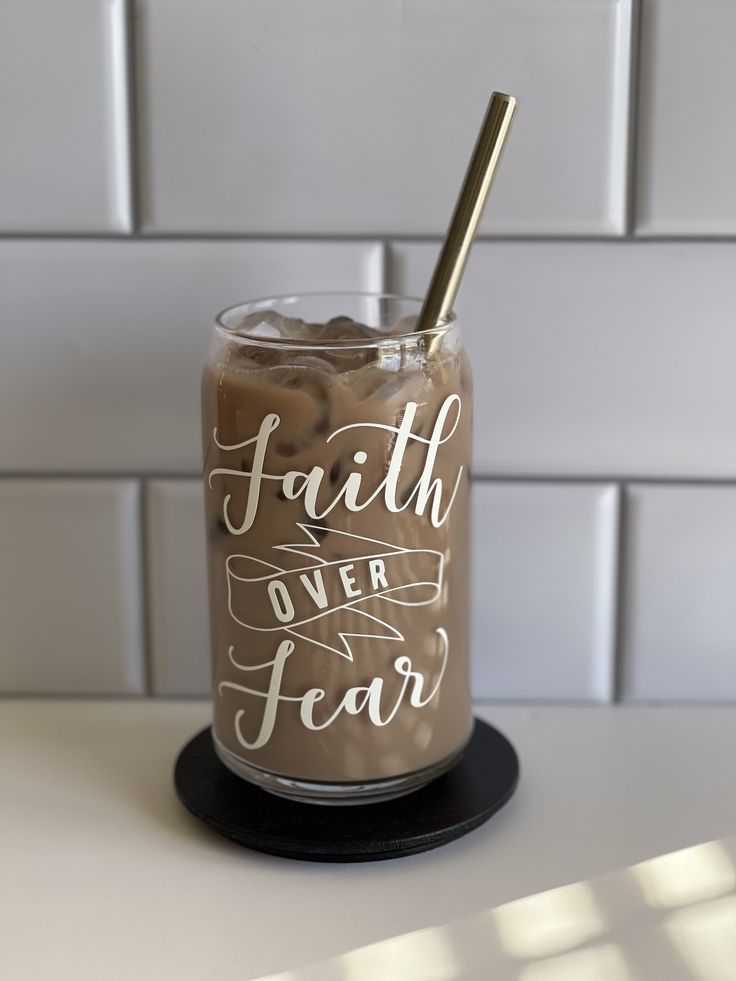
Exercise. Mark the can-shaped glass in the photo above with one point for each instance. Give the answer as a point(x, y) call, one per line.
point(337, 446)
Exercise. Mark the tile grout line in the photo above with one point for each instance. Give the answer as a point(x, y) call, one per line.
point(606, 478)
point(132, 118)
point(632, 168)
point(387, 277)
point(478, 478)
point(118, 134)
point(338, 238)
point(619, 598)
point(144, 588)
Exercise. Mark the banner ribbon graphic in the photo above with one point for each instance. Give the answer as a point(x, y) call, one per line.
point(321, 601)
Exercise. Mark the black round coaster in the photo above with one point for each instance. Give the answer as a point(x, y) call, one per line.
point(452, 805)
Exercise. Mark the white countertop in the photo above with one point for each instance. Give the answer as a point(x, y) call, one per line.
point(670, 918)
point(104, 875)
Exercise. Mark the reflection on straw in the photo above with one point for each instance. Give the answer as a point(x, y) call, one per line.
point(688, 876)
point(548, 923)
point(705, 937)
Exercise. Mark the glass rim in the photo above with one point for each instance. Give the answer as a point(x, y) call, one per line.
point(340, 343)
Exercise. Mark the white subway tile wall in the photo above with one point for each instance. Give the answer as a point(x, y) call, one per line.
point(687, 140)
point(64, 117)
point(544, 585)
point(679, 626)
point(597, 359)
point(177, 588)
point(103, 342)
point(336, 117)
point(165, 158)
point(70, 587)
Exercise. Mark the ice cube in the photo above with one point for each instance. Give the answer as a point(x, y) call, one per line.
point(314, 362)
point(264, 323)
point(253, 356)
point(392, 385)
point(365, 381)
point(372, 382)
point(343, 329)
point(315, 385)
point(309, 419)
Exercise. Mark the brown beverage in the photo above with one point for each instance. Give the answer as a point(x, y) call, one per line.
point(336, 479)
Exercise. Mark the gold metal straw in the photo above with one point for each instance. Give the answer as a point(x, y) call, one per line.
point(450, 266)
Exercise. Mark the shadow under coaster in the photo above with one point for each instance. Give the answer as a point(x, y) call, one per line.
point(479, 784)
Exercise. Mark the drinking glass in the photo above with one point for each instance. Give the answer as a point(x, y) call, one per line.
point(337, 448)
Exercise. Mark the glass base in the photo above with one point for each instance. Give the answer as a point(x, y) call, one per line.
point(332, 792)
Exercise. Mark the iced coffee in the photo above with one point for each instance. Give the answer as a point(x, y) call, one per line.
point(337, 452)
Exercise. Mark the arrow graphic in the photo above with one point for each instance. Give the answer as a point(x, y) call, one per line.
point(320, 601)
